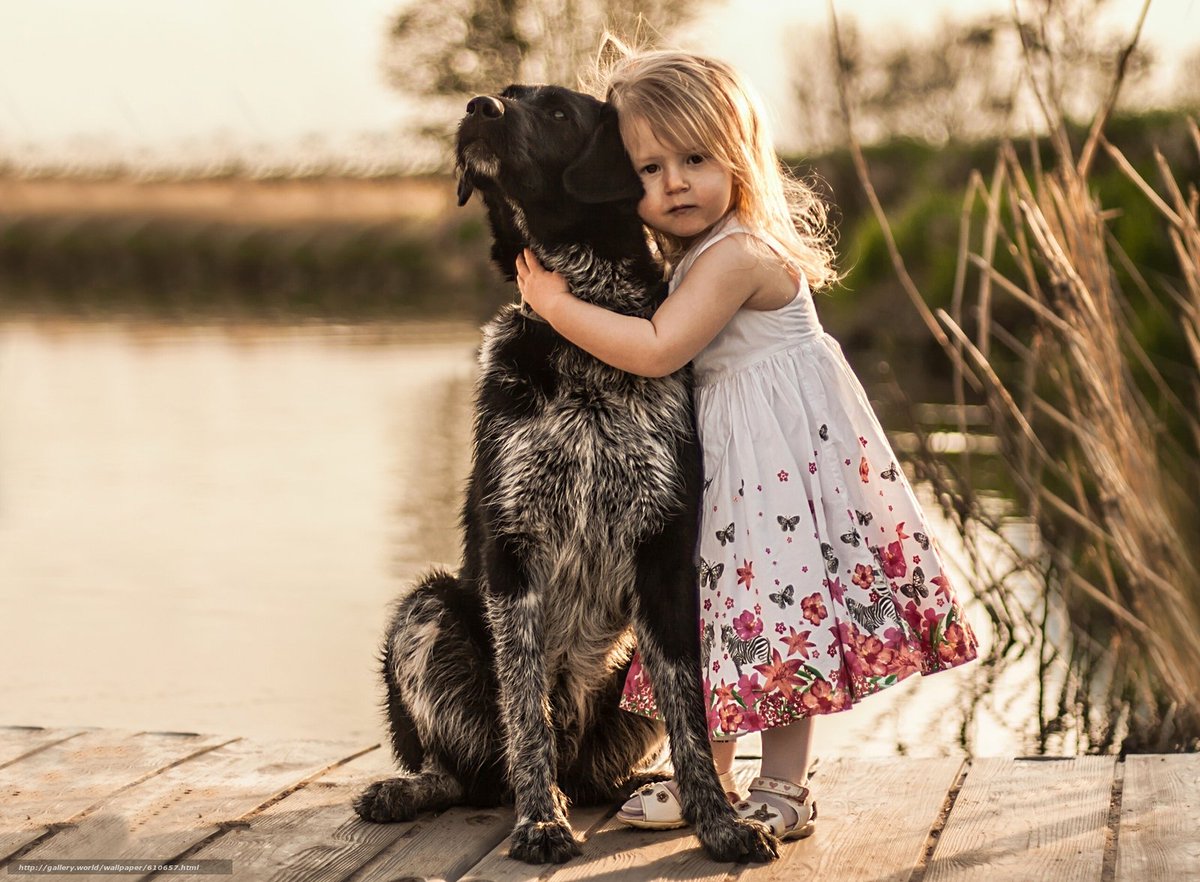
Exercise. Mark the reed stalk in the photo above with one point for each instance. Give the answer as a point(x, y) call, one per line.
point(1104, 451)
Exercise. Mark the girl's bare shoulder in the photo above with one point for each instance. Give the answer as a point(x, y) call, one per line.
point(759, 270)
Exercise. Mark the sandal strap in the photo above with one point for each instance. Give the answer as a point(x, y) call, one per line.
point(659, 804)
point(786, 789)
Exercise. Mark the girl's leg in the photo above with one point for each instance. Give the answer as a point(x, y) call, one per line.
point(723, 753)
point(787, 752)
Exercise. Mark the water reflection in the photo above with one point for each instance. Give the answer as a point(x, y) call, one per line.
point(201, 529)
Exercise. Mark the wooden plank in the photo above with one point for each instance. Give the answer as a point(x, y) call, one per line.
point(440, 846)
point(1159, 833)
point(1022, 820)
point(20, 741)
point(497, 866)
point(856, 799)
point(174, 811)
point(613, 850)
point(313, 834)
point(55, 784)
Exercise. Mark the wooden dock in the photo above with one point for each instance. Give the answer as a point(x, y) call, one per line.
point(281, 811)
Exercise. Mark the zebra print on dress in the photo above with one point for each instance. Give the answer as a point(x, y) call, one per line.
point(744, 652)
point(874, 616)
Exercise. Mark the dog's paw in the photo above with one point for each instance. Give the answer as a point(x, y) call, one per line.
point(386, 801)
point(739, 840)
point(544, 842)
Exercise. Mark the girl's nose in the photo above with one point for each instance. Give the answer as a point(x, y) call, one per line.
point(676, 181)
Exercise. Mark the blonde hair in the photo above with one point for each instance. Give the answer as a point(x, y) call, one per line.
point(690, 102)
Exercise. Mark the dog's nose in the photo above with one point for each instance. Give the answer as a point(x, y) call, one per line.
point(485, 105)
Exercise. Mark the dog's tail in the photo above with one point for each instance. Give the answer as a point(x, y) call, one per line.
point(413, 611)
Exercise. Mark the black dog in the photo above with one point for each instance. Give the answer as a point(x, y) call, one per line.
point(580, 521)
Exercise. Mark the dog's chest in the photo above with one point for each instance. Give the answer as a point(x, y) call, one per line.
point(596, 461)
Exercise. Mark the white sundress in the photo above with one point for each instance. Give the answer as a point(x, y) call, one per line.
point(819, 582)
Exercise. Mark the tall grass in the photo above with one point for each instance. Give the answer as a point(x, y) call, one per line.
point(1099, 435)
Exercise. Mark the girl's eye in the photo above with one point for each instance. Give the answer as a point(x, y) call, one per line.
point(696, 159)
point(649, 169)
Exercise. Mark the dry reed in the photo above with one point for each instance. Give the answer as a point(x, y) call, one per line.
point(1101, 464)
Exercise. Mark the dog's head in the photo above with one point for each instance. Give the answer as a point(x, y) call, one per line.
point(546, 153)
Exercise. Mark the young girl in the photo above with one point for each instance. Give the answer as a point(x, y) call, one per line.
point(819, 582)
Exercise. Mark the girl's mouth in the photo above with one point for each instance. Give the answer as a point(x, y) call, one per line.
point(680, 208)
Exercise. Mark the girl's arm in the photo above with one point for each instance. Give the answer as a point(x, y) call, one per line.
point(722, 279)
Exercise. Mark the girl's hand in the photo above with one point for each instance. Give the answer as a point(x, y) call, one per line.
point(539, 287)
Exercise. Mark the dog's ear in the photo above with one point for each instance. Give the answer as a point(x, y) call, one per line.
point(465, 187)
point(603, 172)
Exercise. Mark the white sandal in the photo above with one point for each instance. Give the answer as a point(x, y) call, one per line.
point(795, 796)
point(659, 806)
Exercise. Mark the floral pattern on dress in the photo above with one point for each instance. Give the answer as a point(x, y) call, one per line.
point(864, 621)
point(819, 582)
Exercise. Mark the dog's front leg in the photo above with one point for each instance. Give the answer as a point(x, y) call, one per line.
point(542, 833)
point(666, 621)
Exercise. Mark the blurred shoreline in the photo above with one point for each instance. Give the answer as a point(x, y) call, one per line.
point(268, 202)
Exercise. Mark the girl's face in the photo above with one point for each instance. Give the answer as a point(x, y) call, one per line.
point(687, 192)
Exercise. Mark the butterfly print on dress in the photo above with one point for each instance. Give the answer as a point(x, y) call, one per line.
point(852, 538)
point(726, 535)
point(788, 525)
point(891, 473)
point(864, 517)
point(785, 597)
point(710, 573)
point(831, 562)
point(916, 586)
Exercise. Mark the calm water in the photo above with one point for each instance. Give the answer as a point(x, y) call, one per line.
point(201, 530)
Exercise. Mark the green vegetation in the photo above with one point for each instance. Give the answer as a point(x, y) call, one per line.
point(182, 269)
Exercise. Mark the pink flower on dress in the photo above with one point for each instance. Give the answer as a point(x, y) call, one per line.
point(943, 585)
point(780, 675)
point(783, 476)
point(798, 643)
point(729, 603)
point(814, 608)
point(747, 626)
point(812, 468)
point(750, 688)
point(922, 624)
point(730, 716)
point(745, 573)
point(751, 721)
point(892, 558)
point(837, 591)
point(955, 648)
point(864, 470)
point(821, 698)
point(864, 576)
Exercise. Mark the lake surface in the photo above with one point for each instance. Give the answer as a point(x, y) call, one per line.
point(201, 529)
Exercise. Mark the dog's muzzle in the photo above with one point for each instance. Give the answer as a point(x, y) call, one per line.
point(485, 106)
point(475, 159)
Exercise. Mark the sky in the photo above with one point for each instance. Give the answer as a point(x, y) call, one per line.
point(153, 79)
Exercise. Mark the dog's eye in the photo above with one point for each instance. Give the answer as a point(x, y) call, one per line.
point(558, 114)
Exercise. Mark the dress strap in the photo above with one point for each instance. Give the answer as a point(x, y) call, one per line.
point(727, 226)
